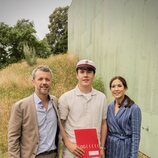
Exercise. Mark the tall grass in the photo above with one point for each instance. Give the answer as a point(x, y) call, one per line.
point(15, 83)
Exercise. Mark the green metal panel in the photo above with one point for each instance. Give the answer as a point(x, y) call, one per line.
point(121, 36)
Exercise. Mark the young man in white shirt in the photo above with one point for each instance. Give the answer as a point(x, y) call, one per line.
point(83, 107)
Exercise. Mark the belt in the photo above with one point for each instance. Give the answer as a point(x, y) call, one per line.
point(120, 136)
point(48, 152)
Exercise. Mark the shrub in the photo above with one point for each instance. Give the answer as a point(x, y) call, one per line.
point(30, 54)
point(98, 84)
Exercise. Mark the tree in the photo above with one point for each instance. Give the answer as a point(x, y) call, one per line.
point(26, 32)
point(58, 36)
point(13, 39)
point(5, 44)
point(22, 33)
point(43, 49)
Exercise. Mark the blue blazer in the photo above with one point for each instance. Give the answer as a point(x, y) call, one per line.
point(123, 131)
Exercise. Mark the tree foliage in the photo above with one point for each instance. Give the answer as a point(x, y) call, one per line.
point(13, 39)
point(4, 43)
point(58, 36)
point(43, 49)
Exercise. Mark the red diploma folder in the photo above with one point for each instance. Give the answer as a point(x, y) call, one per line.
point(87, 139)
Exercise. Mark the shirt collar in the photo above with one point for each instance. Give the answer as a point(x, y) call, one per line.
point(78, 92)
point(38, 101)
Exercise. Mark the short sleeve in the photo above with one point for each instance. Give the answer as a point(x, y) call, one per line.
point(63, 107)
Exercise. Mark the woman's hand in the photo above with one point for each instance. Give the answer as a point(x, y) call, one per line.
point(102, 153)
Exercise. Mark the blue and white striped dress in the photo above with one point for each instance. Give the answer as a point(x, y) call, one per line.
point(123, 131)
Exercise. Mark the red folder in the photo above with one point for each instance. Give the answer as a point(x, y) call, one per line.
point(87, 139)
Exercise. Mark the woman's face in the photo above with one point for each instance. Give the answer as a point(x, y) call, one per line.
point(117, 89)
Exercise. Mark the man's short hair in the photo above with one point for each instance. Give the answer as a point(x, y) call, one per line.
point(44, 68)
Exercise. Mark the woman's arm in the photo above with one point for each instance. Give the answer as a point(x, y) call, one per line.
point(136, 126)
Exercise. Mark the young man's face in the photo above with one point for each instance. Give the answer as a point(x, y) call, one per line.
point(85, 77)
point(42, 82)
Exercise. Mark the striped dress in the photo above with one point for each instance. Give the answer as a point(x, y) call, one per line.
point(123, 131)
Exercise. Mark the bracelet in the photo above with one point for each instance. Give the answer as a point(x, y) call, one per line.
point(101, 147)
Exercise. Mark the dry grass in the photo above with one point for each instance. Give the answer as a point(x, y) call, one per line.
point(141, 155)
point(15, 83)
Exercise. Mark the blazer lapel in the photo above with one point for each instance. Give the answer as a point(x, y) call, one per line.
point(33, 112)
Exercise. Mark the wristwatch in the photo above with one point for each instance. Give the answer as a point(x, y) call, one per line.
point(101, 147)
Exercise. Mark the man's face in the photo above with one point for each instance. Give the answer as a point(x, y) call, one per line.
point(42, 82)
point(85, 77)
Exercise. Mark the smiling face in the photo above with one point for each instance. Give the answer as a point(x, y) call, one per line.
point(118, 89)
point(42, 82)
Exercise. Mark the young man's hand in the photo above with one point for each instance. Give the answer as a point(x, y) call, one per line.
point(76, 150)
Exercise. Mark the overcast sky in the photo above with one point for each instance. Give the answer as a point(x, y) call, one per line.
point(37, 11)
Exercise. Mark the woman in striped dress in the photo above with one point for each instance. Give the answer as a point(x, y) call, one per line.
point(124, 123)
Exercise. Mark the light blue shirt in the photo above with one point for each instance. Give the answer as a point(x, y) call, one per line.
point(47, 125)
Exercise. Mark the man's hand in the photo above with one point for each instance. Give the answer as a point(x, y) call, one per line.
point(76, 150)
